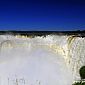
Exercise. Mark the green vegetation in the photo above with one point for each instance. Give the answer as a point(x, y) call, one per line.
point(82, 75)
point(79, 83)
point(82, 72)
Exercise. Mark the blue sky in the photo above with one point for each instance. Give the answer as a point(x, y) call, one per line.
point(42, 15)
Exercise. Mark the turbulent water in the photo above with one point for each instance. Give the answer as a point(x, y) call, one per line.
point(50, 60)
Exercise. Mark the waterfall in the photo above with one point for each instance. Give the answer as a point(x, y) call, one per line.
point(50, 60)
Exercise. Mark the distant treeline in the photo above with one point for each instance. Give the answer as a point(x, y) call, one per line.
point(44, 33)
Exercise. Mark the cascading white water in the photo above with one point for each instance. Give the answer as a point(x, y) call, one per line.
point(50, 60)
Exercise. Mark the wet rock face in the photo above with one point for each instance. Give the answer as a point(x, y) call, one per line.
point(50, 60)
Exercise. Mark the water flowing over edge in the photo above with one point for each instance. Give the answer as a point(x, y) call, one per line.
point(70, 47)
